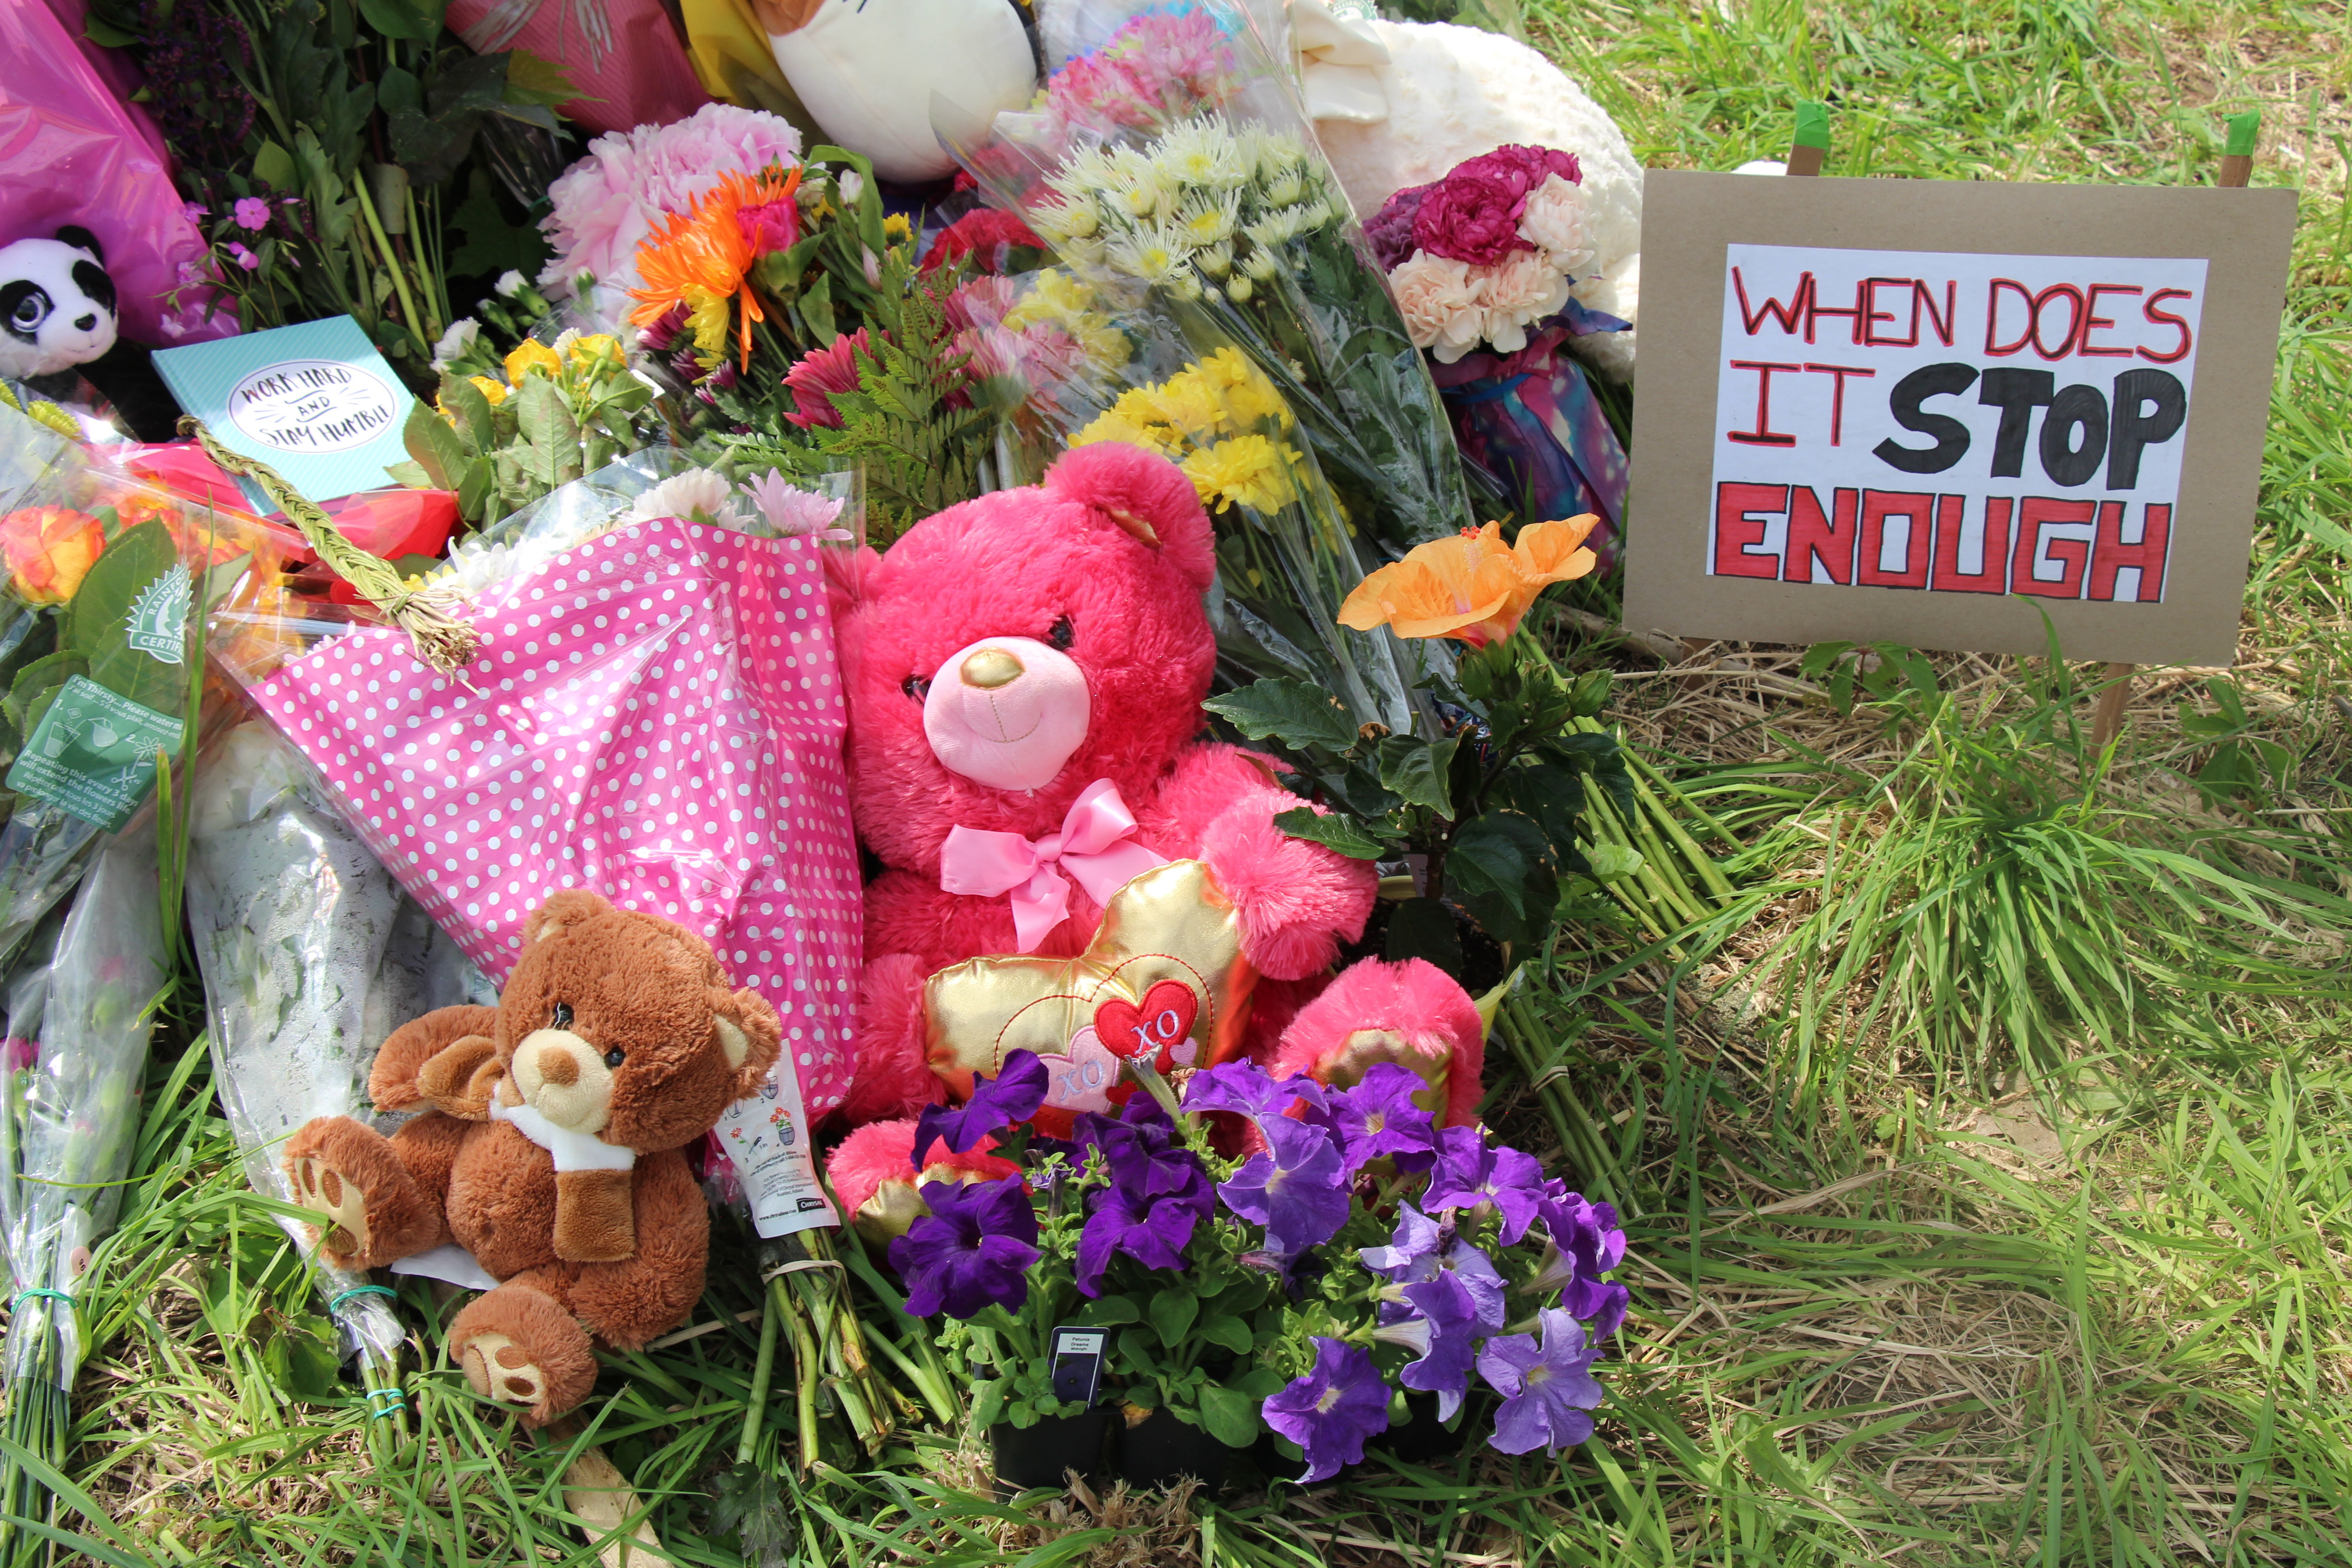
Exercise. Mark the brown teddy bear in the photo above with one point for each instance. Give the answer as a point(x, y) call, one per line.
point(551, 1145)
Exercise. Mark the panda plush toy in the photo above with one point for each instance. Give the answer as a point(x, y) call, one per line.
point(57, 304)
point(58, 324)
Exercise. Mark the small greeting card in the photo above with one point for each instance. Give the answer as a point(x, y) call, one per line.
point(316, 401)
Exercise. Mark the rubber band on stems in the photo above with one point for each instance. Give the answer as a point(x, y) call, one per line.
point(384, 1290)
point(392, 1411)
point(24, 1295)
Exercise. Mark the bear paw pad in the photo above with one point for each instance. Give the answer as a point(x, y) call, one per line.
point(340, 1205)
point(500, 1370)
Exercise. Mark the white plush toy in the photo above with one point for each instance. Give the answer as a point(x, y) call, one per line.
point(57, 304)
point(1400, 103)
point(876, 73)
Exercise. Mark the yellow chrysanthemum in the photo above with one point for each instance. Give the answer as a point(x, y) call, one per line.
point(532, 355)
point(1183, 402)
point(1250, 469)
point(1115, 426)
point(707, 314)
point(1248, 396)
point(896, 227)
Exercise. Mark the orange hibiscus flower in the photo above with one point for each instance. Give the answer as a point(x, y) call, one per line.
point(1474, 588)
point(702, 257)
point(49, 549)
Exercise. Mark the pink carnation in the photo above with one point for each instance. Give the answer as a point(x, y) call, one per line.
point(1157, 66)
point(1472, 214)
point(1440, 299)
point(985, 235)
point(1524, 288)
point(1553, 222)
point(607, 203)
point(770, 226)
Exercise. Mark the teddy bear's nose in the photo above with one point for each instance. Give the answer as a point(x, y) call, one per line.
point(556, 1065)
point(990, 669)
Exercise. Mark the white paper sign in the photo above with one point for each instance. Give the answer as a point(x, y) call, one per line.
point(1953, 423)
point(767, 1138)
point(315, 406)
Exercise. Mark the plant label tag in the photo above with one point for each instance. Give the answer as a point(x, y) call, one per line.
point(1077, 1364)
point(766, 1137)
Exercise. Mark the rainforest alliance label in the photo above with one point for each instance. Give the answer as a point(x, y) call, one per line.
point(94, 753)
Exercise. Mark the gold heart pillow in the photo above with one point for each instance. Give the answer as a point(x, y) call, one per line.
point(1164, 974)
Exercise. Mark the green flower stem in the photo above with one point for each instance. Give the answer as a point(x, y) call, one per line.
point(762, 1372)
point(1158, 1087)
point(415, 324)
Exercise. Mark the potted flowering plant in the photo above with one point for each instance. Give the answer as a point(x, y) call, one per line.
point(1348, 1250)
point(1481, 803)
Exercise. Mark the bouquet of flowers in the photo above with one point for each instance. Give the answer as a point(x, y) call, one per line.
point(80, 1004)
point(1483, 263)
point(1175, 157)
point(1353, 1252)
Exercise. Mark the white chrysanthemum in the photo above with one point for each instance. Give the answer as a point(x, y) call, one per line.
point(1207, 219)
point(1261, 264)
point(1276, 228)
point(1202, 153)
point(698, 495)
point(1216, 260)
point(1154, 255)
point(1254, 148)
point(1086, 253)
point(1283, 188)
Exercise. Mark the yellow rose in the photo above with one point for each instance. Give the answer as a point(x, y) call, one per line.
point(532, 355)
point(496, 391)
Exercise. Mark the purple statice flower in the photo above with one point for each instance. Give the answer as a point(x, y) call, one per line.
point(1546, 1388)
point(1391, 229)
point(1243, 1087)
point(1013, 1095)
point(973, 1248)
point(1470, 1173)
point(1423, 1249)
point(1296, 1189)
point(1585, 1243)
point(252, 213)
point(1152, 1229)
point(1439, 1322)
point(1331, 1410)
point(1379, 1117)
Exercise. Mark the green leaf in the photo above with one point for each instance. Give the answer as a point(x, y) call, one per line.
point(35, 680)
point(105, 34)
point(436, 444)
point(397, 89)
point(465, 401)
point(1260, 1383)
point(121, 575)
point(988, 1401)
point(1335, 831)
point(494, 243)
point(1291, 711)
point(1230, 1417)
point(1138, 1351)
point(274, 166)
point(531, 80)
point(1231, 1332)
point(398, 19)
point(546, 424)
point(1173, 1312)
point(1494, 853)
point(1108, 1311)
point(816, 309)
point(1423, 928)
point(1416, 770)
point(1611, 861)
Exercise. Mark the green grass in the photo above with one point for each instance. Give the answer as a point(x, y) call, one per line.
point(1983, 1149)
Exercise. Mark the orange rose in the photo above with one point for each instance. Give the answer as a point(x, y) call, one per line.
point(49, 549)
point(1474, 588)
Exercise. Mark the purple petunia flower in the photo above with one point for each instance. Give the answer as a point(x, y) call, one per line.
point(1296, 1189)
point(1243, 1087)
point(1331, 1410)
point(1013, 1095)
point(1424, 1249)
point(1470, 1173)
point(1546, 1388)
point(1139, 1148)
point(1585, 1243)
point(252, 213)
point(1441, 1325)
point(1153, 1230)
point(973, 1248)
point(1379, 1117)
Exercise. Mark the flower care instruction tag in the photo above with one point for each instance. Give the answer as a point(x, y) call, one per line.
point(1077, 1364)
point(94, 753)
point(766, 1136)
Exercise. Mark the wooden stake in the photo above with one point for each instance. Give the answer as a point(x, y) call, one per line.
point(1811, 146)
point(2237, 169)
point(597, 1491)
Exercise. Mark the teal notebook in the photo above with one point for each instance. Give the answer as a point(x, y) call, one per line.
point(316, 401)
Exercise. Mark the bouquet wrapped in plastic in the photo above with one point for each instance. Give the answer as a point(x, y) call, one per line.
point(1176, 157)
point(80, 1002)
point(652, 713)
point(310, 955)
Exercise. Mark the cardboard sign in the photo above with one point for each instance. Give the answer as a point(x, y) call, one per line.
point(1922, 411)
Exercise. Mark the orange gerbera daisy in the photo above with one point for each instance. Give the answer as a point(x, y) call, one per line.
point(1474, 588)
point(702, 257)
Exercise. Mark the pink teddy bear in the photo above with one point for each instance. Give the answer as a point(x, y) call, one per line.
point(1024, 674)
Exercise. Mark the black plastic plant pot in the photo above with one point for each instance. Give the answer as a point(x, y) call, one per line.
point(1042, 1455)
point(1159, 1450)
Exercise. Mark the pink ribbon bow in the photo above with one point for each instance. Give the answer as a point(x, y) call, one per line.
point(1089, 848)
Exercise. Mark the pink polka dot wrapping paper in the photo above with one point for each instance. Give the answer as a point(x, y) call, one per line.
point(655, 715)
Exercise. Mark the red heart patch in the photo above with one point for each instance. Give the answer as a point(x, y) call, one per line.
point(1158, 1027)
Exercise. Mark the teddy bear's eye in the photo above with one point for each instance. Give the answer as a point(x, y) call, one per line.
point(1063, 635)
point(562, 1018)
point(615, 1057)
point(916, 687)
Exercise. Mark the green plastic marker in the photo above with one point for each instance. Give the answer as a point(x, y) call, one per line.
point(1811, 145)
point(2238, 149)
